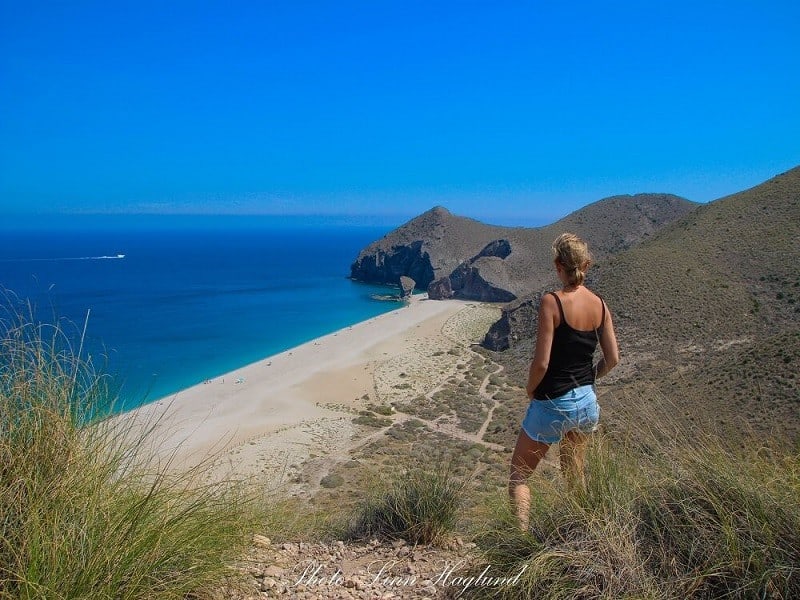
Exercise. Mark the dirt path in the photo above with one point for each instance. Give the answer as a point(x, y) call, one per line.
point(495, 403)
point(386, 375)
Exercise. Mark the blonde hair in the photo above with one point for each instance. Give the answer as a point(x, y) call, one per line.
point(572, 253)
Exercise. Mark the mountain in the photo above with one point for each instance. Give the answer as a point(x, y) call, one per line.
point(727, 270)
point(456, 256)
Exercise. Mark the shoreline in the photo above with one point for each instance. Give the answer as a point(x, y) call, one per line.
point(268, 415)
point(138, 395)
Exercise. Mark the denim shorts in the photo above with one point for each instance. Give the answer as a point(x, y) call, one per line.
point(548, 420)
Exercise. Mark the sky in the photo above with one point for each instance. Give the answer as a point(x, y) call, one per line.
point(515, 113)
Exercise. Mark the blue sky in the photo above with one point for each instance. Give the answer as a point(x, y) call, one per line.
point(511, 112)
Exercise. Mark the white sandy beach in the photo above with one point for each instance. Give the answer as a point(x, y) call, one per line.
point(270, 416)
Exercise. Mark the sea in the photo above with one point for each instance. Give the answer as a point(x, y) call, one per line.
point(169, 303)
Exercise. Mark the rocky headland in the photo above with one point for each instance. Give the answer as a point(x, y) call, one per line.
point(451, 256)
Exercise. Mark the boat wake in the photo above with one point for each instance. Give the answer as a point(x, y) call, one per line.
point(109, 257)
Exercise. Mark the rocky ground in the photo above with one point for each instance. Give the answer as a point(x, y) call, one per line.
point(367, 570)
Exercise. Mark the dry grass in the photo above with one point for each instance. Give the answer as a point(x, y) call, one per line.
point(666, 517)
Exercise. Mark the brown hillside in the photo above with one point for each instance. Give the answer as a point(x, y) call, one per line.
point(709, 311)
point(728, 270)
point(758, 382)
point(609, 226)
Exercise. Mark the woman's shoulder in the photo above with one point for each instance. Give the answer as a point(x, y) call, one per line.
point(548, 303)
point(594, 294)
point(599, 304)
point(548, 299)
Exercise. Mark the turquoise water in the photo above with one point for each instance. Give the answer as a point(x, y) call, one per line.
point(190, 300)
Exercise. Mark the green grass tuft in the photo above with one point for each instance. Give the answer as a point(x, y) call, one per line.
point(422, 507)
point(80, 517)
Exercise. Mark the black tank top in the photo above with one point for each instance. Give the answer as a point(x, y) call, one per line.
point(571, 358)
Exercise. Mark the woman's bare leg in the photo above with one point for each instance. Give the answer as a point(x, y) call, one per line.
point(572, 453)
point(527, 454)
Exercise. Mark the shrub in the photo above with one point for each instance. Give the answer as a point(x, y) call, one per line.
point(382, 409)
point(725, 525)
point(372, 421)
point(422, 507)
point(331, 481)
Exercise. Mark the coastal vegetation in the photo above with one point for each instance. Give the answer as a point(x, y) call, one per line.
point(664, 515)
point(670, 511)
point(82, 515)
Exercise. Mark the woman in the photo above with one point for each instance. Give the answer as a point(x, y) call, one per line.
point(563, 405)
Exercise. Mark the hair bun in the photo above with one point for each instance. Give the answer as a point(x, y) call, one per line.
point(572, 253)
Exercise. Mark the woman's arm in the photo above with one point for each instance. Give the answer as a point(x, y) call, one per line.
point(608, 344)
point(544, 342)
